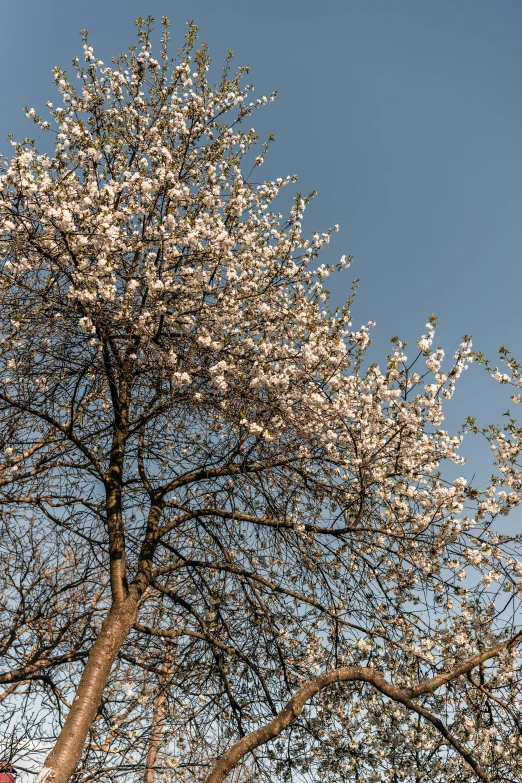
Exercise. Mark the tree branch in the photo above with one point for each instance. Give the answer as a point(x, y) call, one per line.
point(293, 709)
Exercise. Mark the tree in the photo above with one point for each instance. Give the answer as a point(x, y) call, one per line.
point(288, 580)
point(48, 604)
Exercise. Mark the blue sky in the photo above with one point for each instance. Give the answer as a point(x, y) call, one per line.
point(405, 115)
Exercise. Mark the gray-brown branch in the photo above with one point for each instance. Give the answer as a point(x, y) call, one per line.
point(405, 696)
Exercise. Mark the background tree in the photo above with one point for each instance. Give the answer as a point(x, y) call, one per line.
point(49, 605)
point(288, 581)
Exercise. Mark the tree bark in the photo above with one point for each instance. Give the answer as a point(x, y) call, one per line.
point(64, 758)
point(156, 733)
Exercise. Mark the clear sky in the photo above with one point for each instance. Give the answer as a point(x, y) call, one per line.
point(405, 115)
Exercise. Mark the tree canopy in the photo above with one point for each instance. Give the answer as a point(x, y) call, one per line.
point(234, 548)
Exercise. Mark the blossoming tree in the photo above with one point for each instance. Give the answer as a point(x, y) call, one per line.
point(283, 575)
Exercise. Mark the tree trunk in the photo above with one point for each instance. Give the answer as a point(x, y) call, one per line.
point(64, 758)
point(156, 732)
